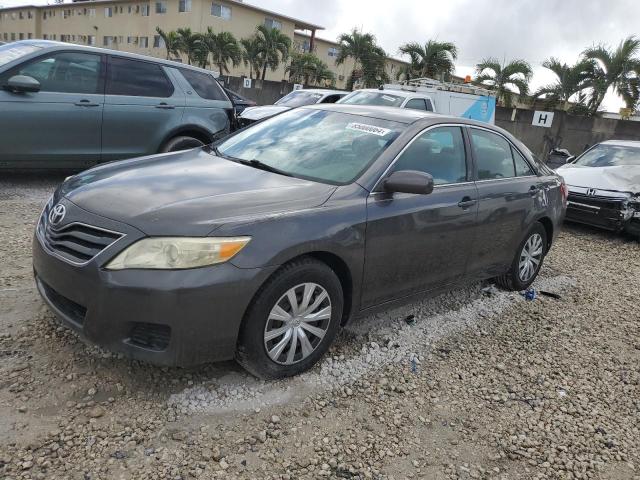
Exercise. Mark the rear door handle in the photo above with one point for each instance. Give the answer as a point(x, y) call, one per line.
point(165, 106)
point(466, 202)
point(86, 103)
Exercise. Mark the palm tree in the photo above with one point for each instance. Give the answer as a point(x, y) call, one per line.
point(434, 59)
point(309, 69)
point(273, 47)
point(360, 47)
point(171, 42)
point(224, 48)
point(190, 44)
point(571, 80)
point(374, 68)
point(501, 78)
point(613, 69)
point(251, 54)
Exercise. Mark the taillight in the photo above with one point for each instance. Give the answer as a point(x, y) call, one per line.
point(565, 192)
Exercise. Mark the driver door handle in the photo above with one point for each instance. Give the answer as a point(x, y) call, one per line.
point(165, 106)
point(466, 202)
point(86, 103)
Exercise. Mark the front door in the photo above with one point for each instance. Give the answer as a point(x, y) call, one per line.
point(418, 243)
point(60, 125)
point(142, 107)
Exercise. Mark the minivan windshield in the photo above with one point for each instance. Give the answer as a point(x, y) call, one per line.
point(12, 51)
point(381, 99)
point(609, 156)
point(324, 146)
point(299, 98)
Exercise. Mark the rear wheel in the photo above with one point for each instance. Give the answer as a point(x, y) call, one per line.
point(292, 320)
point(528, 260)
point(177, 144)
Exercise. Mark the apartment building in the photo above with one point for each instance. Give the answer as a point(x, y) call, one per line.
point(131, 26)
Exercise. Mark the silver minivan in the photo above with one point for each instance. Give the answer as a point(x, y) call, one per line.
point(71, 106)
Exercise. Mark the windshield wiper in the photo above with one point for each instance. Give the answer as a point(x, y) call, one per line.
point(263, 166)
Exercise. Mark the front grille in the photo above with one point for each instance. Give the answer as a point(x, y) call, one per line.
point(151, 336)
point(75, 242)
point(72, 310)
point(608, 203)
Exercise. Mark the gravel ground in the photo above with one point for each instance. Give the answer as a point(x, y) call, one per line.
point(471, 384)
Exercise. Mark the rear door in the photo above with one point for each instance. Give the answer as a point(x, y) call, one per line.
point(415, 242)
point(59, 126)
point(507, 191)
point(142, 106)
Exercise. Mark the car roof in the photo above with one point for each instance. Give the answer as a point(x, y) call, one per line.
point(399, 93)
point(622, 143)
point(52, 46)
point(324, 91)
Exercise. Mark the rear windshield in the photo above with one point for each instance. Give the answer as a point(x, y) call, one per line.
point(11, 52)
point(299, 98)
point(319, 145)
point(373, 98)
point(609, 156)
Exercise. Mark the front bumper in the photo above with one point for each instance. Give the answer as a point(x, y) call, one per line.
point(165, 317)
point(608, 212)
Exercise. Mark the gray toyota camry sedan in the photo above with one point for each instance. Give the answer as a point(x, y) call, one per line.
point(262, 246)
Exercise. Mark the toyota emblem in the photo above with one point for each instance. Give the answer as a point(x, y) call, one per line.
point(56, 214)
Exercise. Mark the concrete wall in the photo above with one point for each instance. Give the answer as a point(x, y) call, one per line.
point(575, 133)
point(264, 93)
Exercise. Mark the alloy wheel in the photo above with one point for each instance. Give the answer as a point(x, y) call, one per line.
point(297, 323)
point(530, 257)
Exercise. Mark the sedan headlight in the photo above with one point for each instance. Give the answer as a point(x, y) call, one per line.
point(167, 253)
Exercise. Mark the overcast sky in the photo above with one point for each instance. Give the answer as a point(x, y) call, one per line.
point(530, 29)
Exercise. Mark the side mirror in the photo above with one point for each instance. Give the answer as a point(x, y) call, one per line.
point(571, 159)
point(409, 181)
point(22, 84)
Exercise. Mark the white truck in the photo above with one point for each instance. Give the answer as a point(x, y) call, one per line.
point(460, 100)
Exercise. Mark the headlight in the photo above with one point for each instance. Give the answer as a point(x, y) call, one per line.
point(168, 253)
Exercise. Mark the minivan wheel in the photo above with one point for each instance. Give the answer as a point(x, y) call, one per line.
point(181, 143)
point(528, 260)
point(292, 320)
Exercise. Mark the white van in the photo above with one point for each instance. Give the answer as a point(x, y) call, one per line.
point(462, 100)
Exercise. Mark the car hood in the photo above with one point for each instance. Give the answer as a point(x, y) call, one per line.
point(188, 193)
point(258, 113)
point(624, 178)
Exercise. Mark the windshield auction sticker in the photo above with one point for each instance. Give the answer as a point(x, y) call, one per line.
point(363, 127)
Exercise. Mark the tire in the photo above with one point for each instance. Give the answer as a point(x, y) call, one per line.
point(181, 143)
point(261, 320)
point(512, 280)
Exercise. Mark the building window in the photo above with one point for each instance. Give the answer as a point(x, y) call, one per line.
point(158, 41)
point(161, 8)
point(20, 15)
point(44, 36)
point(131, 40)
point(332, 52)
point(44, 15)
point(13, 36)
point(222, 11)
point(30, 36)
point(108, 41)
point(108, 11)
point(145, 10)
point(184, 6)
point(91, 39)
point(130, 9)
point(271, 23)
point(144, 42)
point(29, 14)
point(21, 36)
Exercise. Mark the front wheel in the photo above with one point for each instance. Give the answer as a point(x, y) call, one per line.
point(292, 320)
point(528, 260)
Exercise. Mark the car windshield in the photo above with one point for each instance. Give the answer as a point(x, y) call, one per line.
point(11, 52)
point(319, 145)
point(373, 98)
point(299, 98)
point(609, 156)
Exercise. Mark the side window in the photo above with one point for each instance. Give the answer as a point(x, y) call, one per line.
point(66, 72)
point(331, 99)
point(416, 104)
point(522, 166)
point(492, 154)
point(136, 78)
point(204, 84)
point(429, 106)
point(439, 152)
